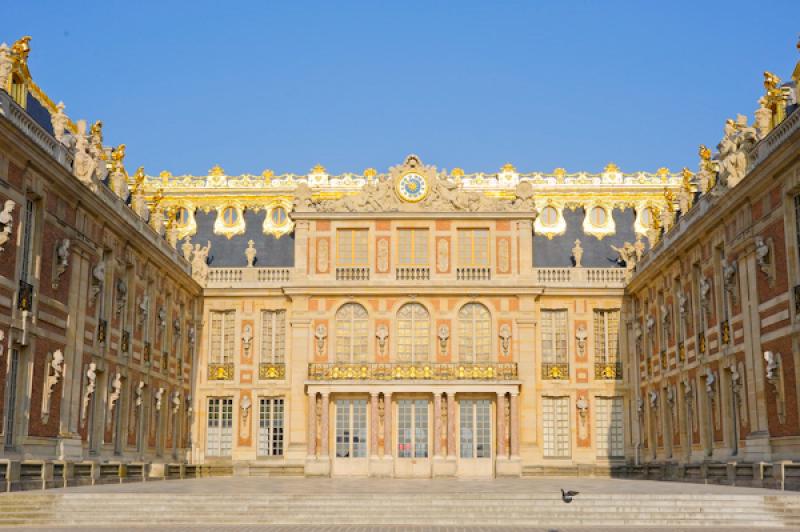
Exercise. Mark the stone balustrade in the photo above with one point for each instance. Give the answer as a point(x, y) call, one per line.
point(357, 273)
point(230, 277)
point(413, 273)
point(473, 274)
point(581, 277)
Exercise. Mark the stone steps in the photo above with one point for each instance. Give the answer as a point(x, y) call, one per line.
point(376, 509)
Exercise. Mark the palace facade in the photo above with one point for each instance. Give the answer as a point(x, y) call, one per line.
point(412, 322)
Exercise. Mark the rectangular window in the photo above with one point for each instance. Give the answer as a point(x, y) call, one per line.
point(273, 336)
point(352, 247)
point(609, 427)
point(27, 240)
point(555, 421)
point(606, 330)
point(412, 429)
point(220, 426)
point(554, 336)
point(475, 429)
point(270, 427)
point(412, 247)
point(473, 247)
point(351, 428)
point(222, 336)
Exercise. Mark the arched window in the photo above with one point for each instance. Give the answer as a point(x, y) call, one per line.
point(351, 333)
point(549, 216)
point(413, 333)
point(474, 333)
point(279, 216)
point(230, 216)
point(646, 217)
point(598, 216)
point(182, 217)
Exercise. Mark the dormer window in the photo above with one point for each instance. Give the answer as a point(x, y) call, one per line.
point(598, 217)
point(549, 216)
point(230, 216)
point(279, 216)
point(182, 217)
point(18, 92)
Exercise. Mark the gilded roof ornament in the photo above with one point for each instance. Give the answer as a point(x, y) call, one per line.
point(457, 172)
point(611, 168)
point(318, 169)
point(138, 180)
point(508, 167)
point(216, 171)
point(21, 49)
point(268, 175)
point(370, 172)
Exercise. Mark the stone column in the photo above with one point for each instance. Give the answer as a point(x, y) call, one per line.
point(323, 442)
point(373, 425)
point(387, 425)
point(501, 425)
point(312, 424)
point(514, 426)
point(437, 424)
point(451, 425)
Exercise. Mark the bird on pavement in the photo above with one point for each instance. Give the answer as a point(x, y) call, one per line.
point(567, 496)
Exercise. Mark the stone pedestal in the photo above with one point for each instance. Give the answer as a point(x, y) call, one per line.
point(70, 448)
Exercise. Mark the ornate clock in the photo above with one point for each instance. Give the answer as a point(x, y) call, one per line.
point(412, 187)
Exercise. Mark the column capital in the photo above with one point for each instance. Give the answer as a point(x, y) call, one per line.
point(374, 394)
point(501, 393)
point(325, 394)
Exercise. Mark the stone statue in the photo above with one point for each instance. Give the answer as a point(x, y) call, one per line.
point(119, 177)
point(686, 193)
point(763, 116)
point(709, 168)
point(762, 254)
point(59, 122)
point(382, 334)
point(186, 248)
point(505, 339)
point(91, 383)
point(302, 198)
point(627, 255)
point(577, 254)
point(739, 138)
point(137, 194)
point(6, 64)
point(638, 248)
point(84, 165)
point(62, 263)
point(250, 253)
point(200, 262)
point(6, 222)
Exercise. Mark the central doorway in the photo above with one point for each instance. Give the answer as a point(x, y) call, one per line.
point(412, 458)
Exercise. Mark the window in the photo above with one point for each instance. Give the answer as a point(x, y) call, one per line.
point(351, 333)
point(474, 333)
point(278, 216)
point(598, 216)
point(222, 336)
point(476, 429)
point(473, 247)
point(606, 328)
point(351, 247)
point(273, 336)
point(413, 333)
point(609, 427)
point(18, 91)
point(182, 217)
point(230, 216)
point(412, 429)
point(270, 427)
point(11, 402)
point(646, 217)
point(27, 240)
point(220, 422)
point(351, 428)
point(549, 216)
point(555, 421)
point(413, 247)
point(554, 336)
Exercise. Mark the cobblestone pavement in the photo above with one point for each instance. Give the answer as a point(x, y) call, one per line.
point(317, 486)
point(251, 528)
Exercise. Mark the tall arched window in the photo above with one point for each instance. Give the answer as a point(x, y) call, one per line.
point(474, 333)
point(351, 333)
point(413, 333)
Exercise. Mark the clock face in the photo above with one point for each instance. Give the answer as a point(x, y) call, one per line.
point(412, 187)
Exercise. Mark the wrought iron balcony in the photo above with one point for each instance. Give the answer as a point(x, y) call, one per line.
point(25, 296)
point(220, 372)
point(555, 370)
point(399, 372)
point(608, 370)
point(271, 371)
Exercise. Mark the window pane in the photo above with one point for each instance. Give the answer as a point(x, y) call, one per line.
point(554, 336)
point(359, 428)
point(404, 429)
point(474, 328)
point(473, 247)
point(555, 421)
point(351, 333)
point(421, 429)
point(609, 427)
point(467, 426)
point(413, 333)
point(483, 417)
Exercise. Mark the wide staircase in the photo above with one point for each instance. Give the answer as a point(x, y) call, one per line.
point(65, 508)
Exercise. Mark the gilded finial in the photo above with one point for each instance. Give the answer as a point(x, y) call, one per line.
point(216, 171)
point(318, 169)
point(687, 176)
point(267, 175)
point(508, 167)
point(457, 172)
point(97, 129)
point(611, 168)
point(771, 81)
point(158, 197)
point(704, 152)
point(370, 172)
point(138, 180)
point(21, 49)
point(670, 197)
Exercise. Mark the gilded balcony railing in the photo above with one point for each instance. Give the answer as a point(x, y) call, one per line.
point(271, 371)
point(399, 371)
point(608, 370)
point(220, 372)
point(555, 370)
point(725, 332)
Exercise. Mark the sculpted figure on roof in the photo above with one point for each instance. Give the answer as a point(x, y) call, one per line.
point(413, 186)
point(733, 149)
point(6, 64)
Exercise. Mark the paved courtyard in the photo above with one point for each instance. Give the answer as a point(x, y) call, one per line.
point(321, 486)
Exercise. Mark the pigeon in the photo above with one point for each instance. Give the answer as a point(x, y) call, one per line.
point(568, 495)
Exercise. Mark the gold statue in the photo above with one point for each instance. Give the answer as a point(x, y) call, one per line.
point(158, 197)
point(776, 98)
point(138, 180)
point(670, 197)
point(21, 49)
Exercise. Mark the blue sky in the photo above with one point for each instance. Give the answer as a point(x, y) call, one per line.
point(255, 85)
